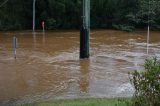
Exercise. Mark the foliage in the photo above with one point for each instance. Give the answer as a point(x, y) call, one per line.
point(51, 23)
point(149, 12)
point(119, 14)
point(124, 27)
point(147, 84)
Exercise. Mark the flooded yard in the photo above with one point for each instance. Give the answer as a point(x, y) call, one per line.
point(48, 65)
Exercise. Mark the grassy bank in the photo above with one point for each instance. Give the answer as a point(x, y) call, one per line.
point(85, 102)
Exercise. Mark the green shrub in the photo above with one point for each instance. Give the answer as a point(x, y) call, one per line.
point(147, 84)
point(51, 23)
point(124, 27)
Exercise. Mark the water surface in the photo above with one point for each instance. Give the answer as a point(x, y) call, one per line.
point(48, 65)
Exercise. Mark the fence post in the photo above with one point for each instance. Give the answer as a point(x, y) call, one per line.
point(15, 47)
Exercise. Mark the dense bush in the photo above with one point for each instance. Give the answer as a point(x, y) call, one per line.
point(124, 27)
point(147, 84)
point(119, 14)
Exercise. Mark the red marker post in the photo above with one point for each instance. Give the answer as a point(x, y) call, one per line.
point(43, 25)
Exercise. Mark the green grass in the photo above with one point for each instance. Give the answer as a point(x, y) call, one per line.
point(85, 102)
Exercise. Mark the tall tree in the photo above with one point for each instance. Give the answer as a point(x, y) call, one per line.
point(119, 14)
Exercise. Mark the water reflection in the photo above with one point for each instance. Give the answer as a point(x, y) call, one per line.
point(84, 75)
point(44, 38)
point(34, 39)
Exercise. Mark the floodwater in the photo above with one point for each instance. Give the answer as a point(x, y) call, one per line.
point(48, 65)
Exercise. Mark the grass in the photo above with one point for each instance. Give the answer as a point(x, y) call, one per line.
point(85, 102)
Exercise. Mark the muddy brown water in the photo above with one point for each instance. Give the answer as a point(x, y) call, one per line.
point(48, 65)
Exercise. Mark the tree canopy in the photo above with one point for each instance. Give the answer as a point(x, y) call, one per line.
point(65, 14)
